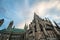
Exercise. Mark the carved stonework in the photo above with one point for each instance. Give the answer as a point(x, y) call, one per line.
point(43, 29)
point(39, 29)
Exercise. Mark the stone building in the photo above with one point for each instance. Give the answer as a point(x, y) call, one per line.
point(42, 29)
point(39, 29)
point(11, 33)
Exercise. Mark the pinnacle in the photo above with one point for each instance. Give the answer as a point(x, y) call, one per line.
point(36, 16)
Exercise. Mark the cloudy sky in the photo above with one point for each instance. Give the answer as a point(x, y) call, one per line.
point(22, 11)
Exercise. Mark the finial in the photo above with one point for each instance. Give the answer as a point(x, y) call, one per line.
point(25, 27)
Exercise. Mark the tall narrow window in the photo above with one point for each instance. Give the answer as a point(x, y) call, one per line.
point(35, 28)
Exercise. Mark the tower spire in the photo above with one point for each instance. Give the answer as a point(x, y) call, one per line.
point(10, 25)
point(25, 27)
point(56, 24)
point(37, 17)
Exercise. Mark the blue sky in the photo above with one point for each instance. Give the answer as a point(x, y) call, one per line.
point(21, 11)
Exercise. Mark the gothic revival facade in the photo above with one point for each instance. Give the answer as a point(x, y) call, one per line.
point(42, 29)
point(39, 29)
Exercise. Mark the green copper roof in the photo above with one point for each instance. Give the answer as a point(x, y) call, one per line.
point(13, 30)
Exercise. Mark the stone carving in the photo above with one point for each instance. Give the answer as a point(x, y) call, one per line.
point(43, 29)
point(39, 29)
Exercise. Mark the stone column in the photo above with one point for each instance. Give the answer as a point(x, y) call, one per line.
point(43, 27)
point(56, 31)
point(1, 37)
point(44, 30)
point(37, 26)
point(33, 29)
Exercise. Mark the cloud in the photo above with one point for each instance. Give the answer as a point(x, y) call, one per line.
point(28, 16)
point(50, 9)
point(42, 8)
point(22, 11)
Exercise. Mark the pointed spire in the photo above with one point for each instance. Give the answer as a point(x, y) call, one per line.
point(56, 24)
point(36, 16)
point(13, 27)
point(25, 27)
point(49, 20)
point(10, 25)
point(1, 22)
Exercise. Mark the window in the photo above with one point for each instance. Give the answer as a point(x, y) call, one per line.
point(35, 28)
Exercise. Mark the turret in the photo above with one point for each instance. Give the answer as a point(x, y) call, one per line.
point(25, 27)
